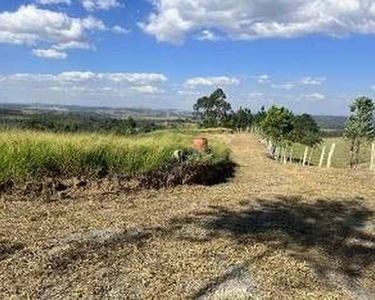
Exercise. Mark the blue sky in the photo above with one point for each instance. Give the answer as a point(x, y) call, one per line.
point(313, 56)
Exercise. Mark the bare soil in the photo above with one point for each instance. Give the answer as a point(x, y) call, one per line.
point(272, 232)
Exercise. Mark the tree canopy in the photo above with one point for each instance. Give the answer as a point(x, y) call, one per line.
point(360, 126)
point(213, 110)
point(306, 131)
point(278, 124)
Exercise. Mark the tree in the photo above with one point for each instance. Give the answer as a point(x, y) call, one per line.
point(306, 131)
point(213, 111)
point(277, 125)
point(360, 126)
point(242, 119)
point(259, 116)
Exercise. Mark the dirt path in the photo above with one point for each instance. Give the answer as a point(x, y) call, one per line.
point(272, 232)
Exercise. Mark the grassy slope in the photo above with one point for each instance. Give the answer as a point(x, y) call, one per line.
point(25, 155)
point(294, 232)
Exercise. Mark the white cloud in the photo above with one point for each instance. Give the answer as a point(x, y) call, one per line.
point(262, 79)
point(312, 80)
point(92, 5)
point(315, 96)
point(210, 81)
point(88, 90)
point(52, 2)
point(120, 30)
point(49, 53)
point(285, 86)
point(84, 86)
point(309, 80)
point(81, 89)
point(33, 26)
point(188, 93)
point(146, 89)
point(173, 20)
point(373, 87)
point(254, 95)
point(75, 77)
point(89, 5)
point(73, 45)
point(207, 35)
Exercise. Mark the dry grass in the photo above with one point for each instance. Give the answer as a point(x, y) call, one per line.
point(273, 232)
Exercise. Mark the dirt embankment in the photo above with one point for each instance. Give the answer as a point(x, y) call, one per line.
point(184, 173)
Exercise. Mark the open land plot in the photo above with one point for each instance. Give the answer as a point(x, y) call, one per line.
point(272, 232)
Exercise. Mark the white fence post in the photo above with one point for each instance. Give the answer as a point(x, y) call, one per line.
point(322, 157)
point(372, 164)
point(305, 155)
point(329, 161)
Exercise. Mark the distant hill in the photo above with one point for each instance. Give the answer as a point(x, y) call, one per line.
point(331, 122)
point(136, 113)
point(327, 123)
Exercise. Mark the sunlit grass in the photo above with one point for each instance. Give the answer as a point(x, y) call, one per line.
point(341, 157)
point(28, 154)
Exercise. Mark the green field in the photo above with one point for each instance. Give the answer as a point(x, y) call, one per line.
point(341, 155)
point(26, 155)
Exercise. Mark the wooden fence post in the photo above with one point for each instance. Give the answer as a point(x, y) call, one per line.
point(322, 157)
point(291, 155)
point(305, 155)
point(372, 164)
point(330, 155)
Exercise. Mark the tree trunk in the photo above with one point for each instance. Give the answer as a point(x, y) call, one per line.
point(352, 153)
point(357, 150)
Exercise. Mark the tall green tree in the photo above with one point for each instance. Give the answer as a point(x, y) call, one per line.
point(259, 116)
point(241, 119)
point(306, 131)
point(360, 126)
point(213, 110)
point(278, 125)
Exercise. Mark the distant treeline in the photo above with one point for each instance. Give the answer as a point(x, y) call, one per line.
point(79, 122)
point(91, 121)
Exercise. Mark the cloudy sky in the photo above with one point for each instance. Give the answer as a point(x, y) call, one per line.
point(311, 55)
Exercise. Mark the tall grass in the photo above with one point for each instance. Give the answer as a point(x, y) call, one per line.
point(28, 154)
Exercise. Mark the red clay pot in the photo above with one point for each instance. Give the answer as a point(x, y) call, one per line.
point(200, 143)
